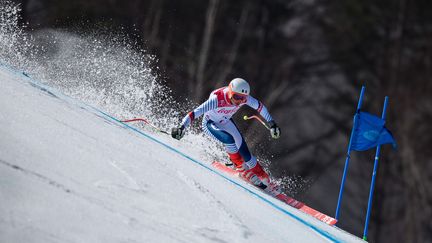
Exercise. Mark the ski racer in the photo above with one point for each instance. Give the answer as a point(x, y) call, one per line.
point(218, 124)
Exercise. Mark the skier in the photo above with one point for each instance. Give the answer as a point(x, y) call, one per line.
point(218, 124)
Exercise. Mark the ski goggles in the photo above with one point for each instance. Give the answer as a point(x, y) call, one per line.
point(239, 97)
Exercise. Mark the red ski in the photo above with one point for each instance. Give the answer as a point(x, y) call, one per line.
point(284, 198)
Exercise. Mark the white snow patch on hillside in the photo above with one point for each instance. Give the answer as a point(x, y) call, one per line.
point(70, 173)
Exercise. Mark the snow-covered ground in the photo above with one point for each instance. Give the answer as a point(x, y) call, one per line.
point(72, 173)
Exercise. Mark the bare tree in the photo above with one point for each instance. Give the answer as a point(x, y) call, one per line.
point(206, 43)
point(232, 55)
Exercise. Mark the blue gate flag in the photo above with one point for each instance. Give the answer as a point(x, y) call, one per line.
point(370, 132)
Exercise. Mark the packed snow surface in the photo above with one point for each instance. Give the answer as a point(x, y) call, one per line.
point(70, 172)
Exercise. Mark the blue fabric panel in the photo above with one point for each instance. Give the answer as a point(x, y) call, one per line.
point(221, 135)
point(370, 132)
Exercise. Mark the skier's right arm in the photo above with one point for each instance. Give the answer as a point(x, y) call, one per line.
point(208, 105)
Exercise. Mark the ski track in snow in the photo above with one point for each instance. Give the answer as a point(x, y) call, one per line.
point(38, 176)
point(59, 186)
point(132, 182)
point(213, 201)
point(131, 221)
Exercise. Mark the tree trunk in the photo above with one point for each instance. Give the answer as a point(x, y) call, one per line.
point(207, 38)
point(221, 80)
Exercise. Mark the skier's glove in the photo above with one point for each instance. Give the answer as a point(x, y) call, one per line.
point(274, 130)
point(178, 133)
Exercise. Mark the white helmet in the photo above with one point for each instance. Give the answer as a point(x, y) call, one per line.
point(239, 86)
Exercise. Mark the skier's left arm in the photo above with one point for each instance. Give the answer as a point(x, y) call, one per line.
point(262, 110)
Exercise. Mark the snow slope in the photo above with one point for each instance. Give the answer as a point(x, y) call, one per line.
point(72, 173)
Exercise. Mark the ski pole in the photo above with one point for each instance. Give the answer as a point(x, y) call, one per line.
point(259, 119)
point(146, 122)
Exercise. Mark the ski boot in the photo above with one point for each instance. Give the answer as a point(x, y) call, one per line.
point(259, 172)
point(237, 162)
point(255, 174)
point(261, 179)
point(271, 187)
